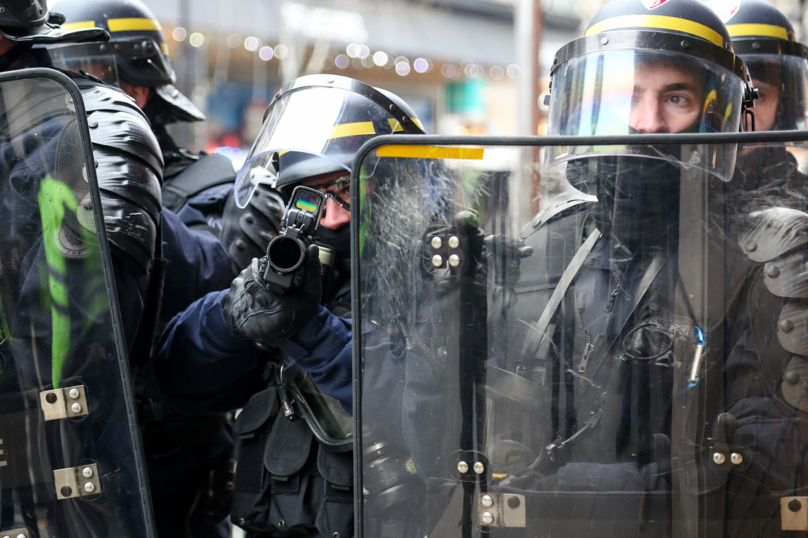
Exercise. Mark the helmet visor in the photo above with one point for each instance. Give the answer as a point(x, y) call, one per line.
point(621, 92)
point(86, 57)
point(782, 81)
point(308, 133)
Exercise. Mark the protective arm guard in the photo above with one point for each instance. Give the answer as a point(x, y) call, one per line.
point(778, 239)
point(129, 167)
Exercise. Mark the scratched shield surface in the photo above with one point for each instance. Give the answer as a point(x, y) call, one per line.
point(578, 340)
point(69, 458)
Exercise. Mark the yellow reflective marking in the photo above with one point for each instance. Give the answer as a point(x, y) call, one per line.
point(70, 26)
point(659, 22)
point(352, 129)
point(711, 97)
point(397, 128)
point(499, 475)
point(758, 30)
point(164, 48)
point(129, 25)
point(431, 152)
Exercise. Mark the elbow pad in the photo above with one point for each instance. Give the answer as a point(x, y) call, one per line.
point(129, 166)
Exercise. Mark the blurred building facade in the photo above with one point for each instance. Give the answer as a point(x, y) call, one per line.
point(455, 61)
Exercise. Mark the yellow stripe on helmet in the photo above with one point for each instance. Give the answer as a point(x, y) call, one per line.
point(758, 30)
point(83, 25)
point(657, 22)
point(352, 129)
point(431, 152)
point(129, 25)
point(397, 128)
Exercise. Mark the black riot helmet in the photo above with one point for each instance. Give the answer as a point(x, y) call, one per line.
point(645, 66)
point(314, 126)
point(629, 46)
point(763, 36)
point(29, 22)
point(137, 54)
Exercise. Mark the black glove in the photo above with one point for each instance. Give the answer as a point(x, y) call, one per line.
point(254, 313)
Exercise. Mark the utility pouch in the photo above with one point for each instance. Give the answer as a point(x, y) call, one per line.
point(287, 485)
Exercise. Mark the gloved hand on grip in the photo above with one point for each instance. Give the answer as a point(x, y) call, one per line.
point(254, 313)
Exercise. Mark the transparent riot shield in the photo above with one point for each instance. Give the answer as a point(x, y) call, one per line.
point(557, 339)
point(70, 464)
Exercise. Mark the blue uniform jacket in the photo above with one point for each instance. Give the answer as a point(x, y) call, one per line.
point(203, 368)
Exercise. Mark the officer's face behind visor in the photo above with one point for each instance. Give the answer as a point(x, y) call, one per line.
point(623, 92)
point(666, 98)
point(337, 188)
point(782, 81)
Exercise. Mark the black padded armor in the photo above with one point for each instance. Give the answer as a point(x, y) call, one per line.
point(246, 233)
point(129, 167)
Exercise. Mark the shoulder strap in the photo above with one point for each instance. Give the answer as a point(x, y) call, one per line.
point(209, 171)
point(536, 333)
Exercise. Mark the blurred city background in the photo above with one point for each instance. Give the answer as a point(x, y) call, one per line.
point(465, 66)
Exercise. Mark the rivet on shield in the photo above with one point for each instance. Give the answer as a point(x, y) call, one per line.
point(87, 472)
point(487, 501)
point(773, 271)
point(463, 467)
point(604, 41)
point(792, 378)
point(74, 394)
point(454, 260)
point(437, 260)
point(479, 468)
point(685, 45)
point(454, 242)
point(76, 407)
point(736, 458)
point(786, 325)
point(89, 487)
point(436, 242)
point(487, 518)
point(751, 246)
point(719, 458)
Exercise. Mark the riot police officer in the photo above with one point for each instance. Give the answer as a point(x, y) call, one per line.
point(598, 411)
point(294, 473)
point(58, 309)
point(195, 185)
point(764, 38)
point(188, 459)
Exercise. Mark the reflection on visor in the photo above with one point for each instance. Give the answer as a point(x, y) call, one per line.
point(104, 68)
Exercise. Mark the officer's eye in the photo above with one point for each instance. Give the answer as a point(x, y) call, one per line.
point(679, 100)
